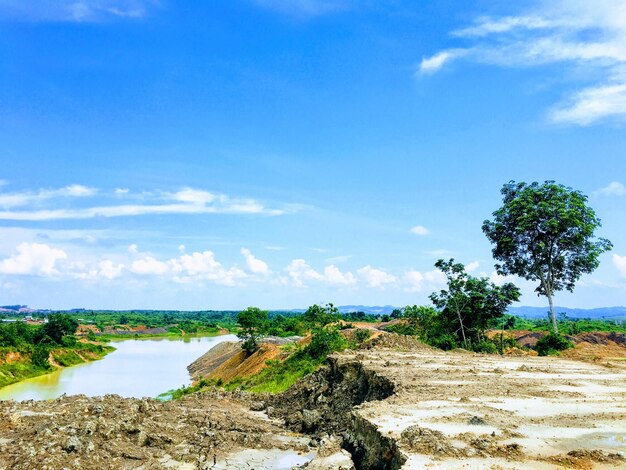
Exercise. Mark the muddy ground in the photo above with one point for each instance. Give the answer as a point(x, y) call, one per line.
point(396, 404)
point(422, 408)
point(196, 432)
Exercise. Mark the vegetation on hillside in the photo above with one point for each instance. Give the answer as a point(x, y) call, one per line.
point(25, 350)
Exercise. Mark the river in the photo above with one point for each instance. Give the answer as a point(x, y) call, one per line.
point(137, 368)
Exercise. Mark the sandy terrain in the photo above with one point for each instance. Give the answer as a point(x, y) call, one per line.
point(453, 410)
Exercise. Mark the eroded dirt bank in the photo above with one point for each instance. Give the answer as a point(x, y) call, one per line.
point(431, 409)
point(195, 432)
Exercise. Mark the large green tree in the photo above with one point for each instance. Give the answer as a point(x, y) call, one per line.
point(254, 325)
point(470, 304)
point(545, 233)
point(59, 326)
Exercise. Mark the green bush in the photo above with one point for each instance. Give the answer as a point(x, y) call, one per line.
point(485, 346)
point(40, 356)
point(552, 344)
point(324, 342)
point(444, 341)
point(362, 335)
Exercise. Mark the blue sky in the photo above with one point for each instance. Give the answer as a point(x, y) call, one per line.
point(284, 152)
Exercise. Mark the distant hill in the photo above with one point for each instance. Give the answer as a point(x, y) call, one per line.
point(608, 313)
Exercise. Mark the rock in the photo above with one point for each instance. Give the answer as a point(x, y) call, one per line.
point(476, 421)
point(257, 406)
point(310, 419)
point(73, 444)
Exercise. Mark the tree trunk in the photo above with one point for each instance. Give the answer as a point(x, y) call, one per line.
point(462, 329)
point(555, 328)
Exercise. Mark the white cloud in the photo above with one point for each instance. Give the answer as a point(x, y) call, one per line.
point(499, 279)
point(8, 200)
point(255, 265)
point(333, 275)
point(620, 263)
point(79, 11)
point(416, 281)
point(299, 272)
point(432, 64)
point(200, 266)
point(134, 249)
point(420, 230)
point(185, 201)
point(376, 277)
point(337, 259)
point(473, 266)
point(612, 189)
point(149, 266)
point(33, 259)
point(121, 191)
point(109, 270)
point(194, 196)
point(588, 35)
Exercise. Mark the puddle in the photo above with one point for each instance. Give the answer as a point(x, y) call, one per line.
point(541, 407)
point(272, 459)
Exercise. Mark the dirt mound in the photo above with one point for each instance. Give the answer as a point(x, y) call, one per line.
point(117, 433)
point(395, 341)
point(609, 354)
point(213, 359)
point(600, 338)
point(427, 441)
point(242, 365)
point(227, 361)
point(529, 340)
point(586, 459)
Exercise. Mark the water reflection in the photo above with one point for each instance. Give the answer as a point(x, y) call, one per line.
point(137, 368)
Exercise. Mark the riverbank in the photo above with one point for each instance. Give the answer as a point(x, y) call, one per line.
point(18, 365)
point(155, 333)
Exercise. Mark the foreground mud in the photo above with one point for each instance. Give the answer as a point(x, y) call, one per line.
point(394, 405)
point(430, 409)
point(201, 431)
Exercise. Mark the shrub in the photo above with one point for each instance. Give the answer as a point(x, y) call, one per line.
point(362, 335)
point(40, 356)
point(324, 342)
point(444, 341)
point(485, 347)
point(552, 344)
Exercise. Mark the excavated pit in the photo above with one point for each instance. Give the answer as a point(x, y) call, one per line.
point(327, 403)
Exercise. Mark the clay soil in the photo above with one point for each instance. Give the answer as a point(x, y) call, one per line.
point(195, 432)
point(453, 410)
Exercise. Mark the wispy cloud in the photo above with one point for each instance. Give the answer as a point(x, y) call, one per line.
point(620, 263)
point(589, 35)
point(8, 200)
point(420, 230)
point(306, 8)
point(185, 201)
point(79, 11)
point(614, 188)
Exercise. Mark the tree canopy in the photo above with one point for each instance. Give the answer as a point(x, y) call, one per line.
point(469, 304)
point(545, 233)
point(254, 324)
